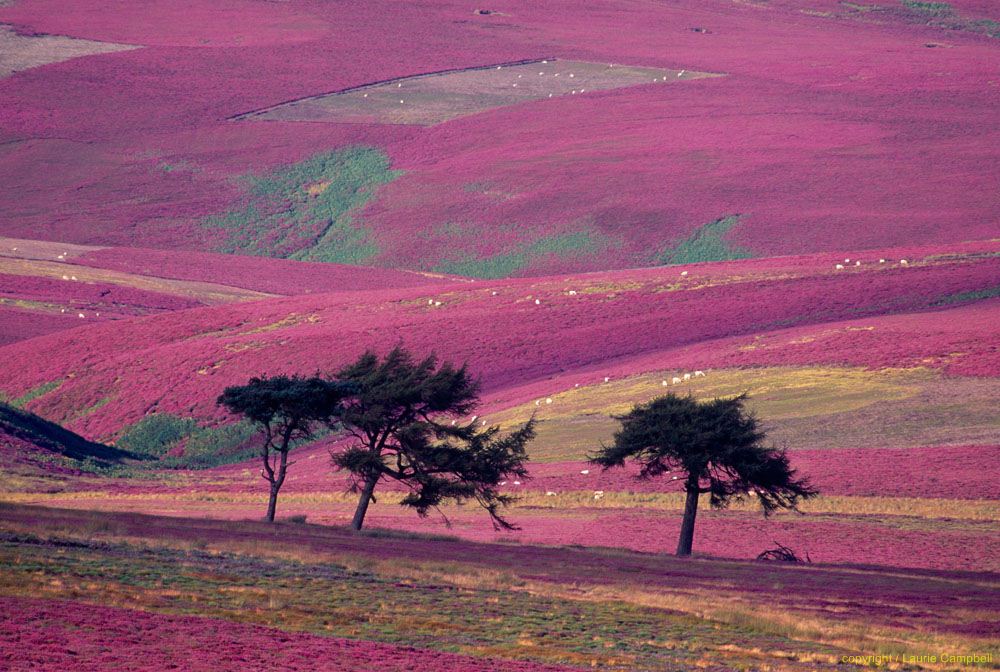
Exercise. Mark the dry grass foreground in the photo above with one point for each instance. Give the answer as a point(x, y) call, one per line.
point(437, 97)
point(595, 607)
point(22, 52)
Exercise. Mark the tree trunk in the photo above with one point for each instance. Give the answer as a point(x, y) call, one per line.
point(687, 526)
point(276, 483)
point(366, 497)
point(272, 504)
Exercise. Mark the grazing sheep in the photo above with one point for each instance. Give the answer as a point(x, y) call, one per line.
point(684, 272)
point(437, 303)
point(585, 472)
point(430, 302)
point(881, 261)
point(675, 380)
point(517, 482)
point(538, 302)
point(903, 262)
point(549, 400)
point(687, 377)
point(664, 383)
point(847, 261)
point(366, 95)
point(839, 267)
point(572, 292)
point(598, 494)
point(857, 263)
point(699, 374)
point(606, 379)
point(65, 277)
point(538, 402)
point(72, 277)
point(549, 493)
point(80, 315)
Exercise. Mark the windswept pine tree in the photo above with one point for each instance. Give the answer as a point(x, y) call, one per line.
point(287, 409)
point(719, 448)
point(407, 419)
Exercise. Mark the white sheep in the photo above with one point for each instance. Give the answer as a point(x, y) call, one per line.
point(857, 263)
point(903, 262)
point(598, 494)
point(699, 374)
point(839, 267)
point(538, 402)
point(572, 292)
point(437, 303)
point(80, 315)
point(687, 377)
point(847, 261)
point(606, 379)
point(538, 302)
point(684, 272)
point(881, 261)
point(549, 400)
point(675, 380)
point(517, 482)
point(549, 493)
point(65, 277)
point(664, 383)
point(585, 472)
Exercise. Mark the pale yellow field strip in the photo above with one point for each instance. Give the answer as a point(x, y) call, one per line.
point(206, 292)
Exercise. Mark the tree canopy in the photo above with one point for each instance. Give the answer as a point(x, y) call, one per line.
point(719, 447)
point(406, 419)
point(287, 409)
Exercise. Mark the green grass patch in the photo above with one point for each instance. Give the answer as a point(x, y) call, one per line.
point(964, 297)
point(306, 211)
point(166, 441)
point(506, 264)
point(936, 9)
point(156, 434)
point(35, 393)
point(706, 244)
